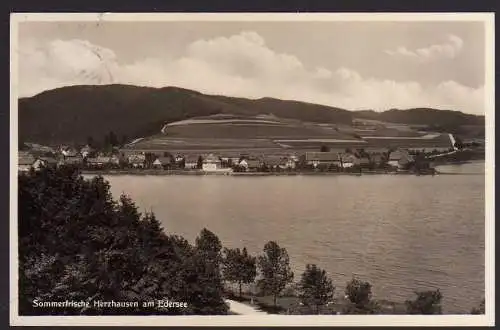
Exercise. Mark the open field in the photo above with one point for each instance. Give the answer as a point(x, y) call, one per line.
point(250, 128)
point(263, 135)
point(236, 147)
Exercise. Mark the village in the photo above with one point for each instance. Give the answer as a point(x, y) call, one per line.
point(325, 160)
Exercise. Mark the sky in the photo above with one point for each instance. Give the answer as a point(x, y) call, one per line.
point(348, 64)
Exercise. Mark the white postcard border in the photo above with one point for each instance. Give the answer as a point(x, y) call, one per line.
point(247, 320)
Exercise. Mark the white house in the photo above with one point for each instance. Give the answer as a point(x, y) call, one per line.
point(162, 162)
point(85, 151)
point(287, 163)
point(348, 160)
point(157, 163)
point(99, 161)
point(322, 158)
point(211, 163)
point(399, 158)
point(191, 162)
point(25, 161)
point(69, 152)
point(250, 164)
point(137, 160)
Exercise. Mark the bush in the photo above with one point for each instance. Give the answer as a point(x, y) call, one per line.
point(426, 302)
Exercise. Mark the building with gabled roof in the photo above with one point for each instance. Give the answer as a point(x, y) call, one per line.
point(25, 161)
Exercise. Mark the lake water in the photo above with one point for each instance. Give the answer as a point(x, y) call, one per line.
point(399, 232)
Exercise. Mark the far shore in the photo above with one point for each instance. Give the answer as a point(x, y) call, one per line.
point(247, 174)
point(138, 171)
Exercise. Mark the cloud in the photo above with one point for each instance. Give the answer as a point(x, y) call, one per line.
point(448, 50)
point(239, 65)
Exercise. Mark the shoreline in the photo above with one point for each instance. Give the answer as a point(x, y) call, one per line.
point(254, 174)
point(160, 172)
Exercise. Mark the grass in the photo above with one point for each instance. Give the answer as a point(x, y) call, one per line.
point(291, 305)
point(242, 139)
point(244, 130)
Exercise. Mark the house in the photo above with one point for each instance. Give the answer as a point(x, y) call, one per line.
point(348, 160)
point(211, 163)
point(287, 163)
point(69, 152)
point(48, 161)
point(377, 160)
point(137, 160)
point(317, 159)
point(399, 159)
point(250, 164)
point(178, 161)
point(98, 162)
point(71, 160)
point(234, 160)
point(157, 164)
point(362, 161)
point(25, 161)
point(86, 151)
point(162, 162)
point(115, 160)
point(191, 162)
point(272, 162)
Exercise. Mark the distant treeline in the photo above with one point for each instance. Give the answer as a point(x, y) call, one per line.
point(423, 116)
point(77, 243)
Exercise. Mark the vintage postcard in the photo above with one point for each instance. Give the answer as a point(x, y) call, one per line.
point(252, 169)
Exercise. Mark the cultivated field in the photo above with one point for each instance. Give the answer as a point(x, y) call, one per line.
point(270, 135)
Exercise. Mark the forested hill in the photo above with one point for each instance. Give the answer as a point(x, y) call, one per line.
point(423, 116)
point(72, 114)
point(77, 112)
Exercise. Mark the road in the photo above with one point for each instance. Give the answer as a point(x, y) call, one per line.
point(243, 309)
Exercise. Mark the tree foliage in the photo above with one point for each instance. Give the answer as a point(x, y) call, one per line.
point(209, 247)
point(274, 266)
point(239, 267)
point(479, 310)
point(199, 162)
point(359, 294)
point(315, 288)
point(426, 302)
point(77, 243)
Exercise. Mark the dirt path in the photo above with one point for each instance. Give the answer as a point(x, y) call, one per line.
point(243, 309)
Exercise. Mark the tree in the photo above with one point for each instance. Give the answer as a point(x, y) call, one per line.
point(324, 148)
point(77, 243)
point(91, 142)
point(199, 163)
point(426, 302)
point(458, 143)
point(113, 139)
point(481, 309)
point(209, 245)
point(239, 267)
point(21, 145)
point(206, 268)
point(359, 294)
point(124, 140)
point(315, 288)
point(149, 159)
point(275, 269)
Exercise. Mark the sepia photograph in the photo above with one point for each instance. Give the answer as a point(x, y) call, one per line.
point(260, 169)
